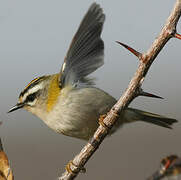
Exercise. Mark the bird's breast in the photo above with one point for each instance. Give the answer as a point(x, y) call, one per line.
point(77, 111)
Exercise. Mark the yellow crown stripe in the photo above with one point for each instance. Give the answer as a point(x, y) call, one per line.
point(32, 82)
point(53, 92)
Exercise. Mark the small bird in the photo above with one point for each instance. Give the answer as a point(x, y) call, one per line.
point(68, 102)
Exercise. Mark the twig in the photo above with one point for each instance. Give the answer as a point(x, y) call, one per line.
point(133, 90)
point(170, 166)
point(5, 170)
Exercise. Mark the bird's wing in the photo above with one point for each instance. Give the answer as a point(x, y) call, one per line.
point(86, 50)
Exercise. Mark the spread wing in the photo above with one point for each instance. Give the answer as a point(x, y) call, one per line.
point(86, 51)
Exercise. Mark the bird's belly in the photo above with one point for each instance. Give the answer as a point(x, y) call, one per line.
point(76, 114)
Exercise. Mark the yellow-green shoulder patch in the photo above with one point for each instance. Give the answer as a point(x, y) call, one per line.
point(53, 92)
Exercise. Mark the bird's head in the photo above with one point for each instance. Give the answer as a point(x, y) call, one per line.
point(34, 97)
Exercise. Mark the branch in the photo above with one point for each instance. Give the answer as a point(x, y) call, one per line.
point(170, 166)
point(146, 59)
point(5, 170)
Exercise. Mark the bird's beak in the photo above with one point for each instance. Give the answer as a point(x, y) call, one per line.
point(17, 106)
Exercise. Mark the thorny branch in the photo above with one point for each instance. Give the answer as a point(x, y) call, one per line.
point(170, 166)
point(134, 89)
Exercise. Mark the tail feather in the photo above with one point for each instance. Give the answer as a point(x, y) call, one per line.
point(155, 119)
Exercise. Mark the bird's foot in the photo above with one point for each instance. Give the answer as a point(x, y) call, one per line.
point(73, 169)
point(101, 121)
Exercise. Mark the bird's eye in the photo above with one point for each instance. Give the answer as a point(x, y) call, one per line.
point(31, 97)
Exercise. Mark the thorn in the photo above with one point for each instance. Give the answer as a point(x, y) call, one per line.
point(178, 36)
point(136, 53)
point(142, 93)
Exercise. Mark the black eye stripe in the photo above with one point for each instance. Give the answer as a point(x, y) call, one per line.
point(31, 97)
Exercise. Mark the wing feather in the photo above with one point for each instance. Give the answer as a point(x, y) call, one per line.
point(86, 52)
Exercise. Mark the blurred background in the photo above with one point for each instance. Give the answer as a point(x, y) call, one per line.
point(34, 38)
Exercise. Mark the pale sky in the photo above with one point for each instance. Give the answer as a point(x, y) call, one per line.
point(34, 38)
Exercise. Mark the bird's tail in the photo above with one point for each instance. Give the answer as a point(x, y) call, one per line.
point(151, 118)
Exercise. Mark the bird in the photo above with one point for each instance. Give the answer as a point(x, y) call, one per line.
point(69, 101)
